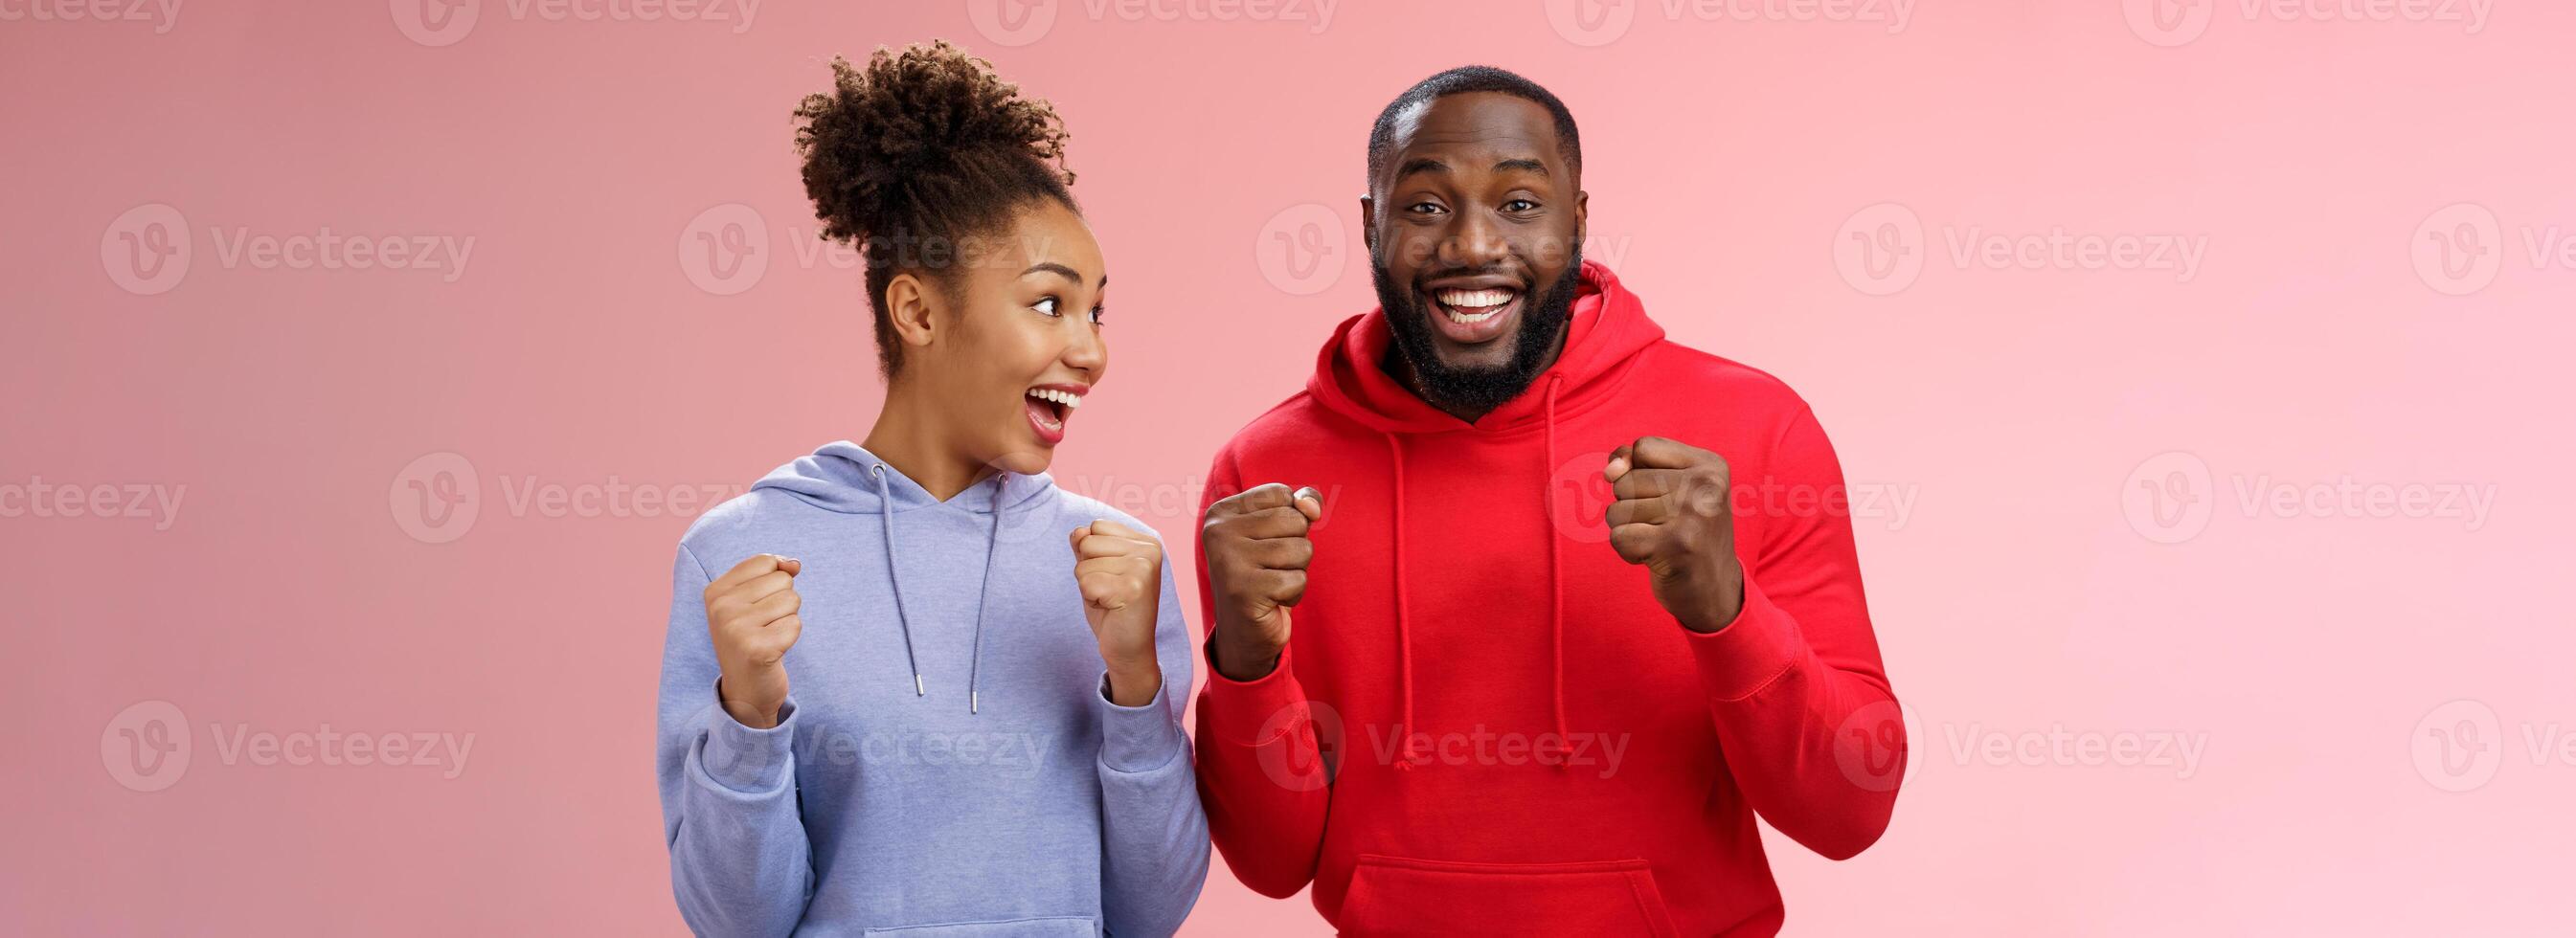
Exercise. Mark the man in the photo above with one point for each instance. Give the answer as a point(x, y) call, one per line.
point(1502, 708)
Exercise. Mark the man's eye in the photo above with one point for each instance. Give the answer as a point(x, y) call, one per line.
point(1423, 208)
point(1519, 205)
point(1047, 306)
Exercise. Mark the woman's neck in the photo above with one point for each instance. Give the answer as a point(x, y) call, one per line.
point(914, 444)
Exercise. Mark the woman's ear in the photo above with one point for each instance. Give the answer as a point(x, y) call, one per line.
point(910, 305)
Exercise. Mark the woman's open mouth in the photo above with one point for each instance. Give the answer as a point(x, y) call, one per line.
point(1049, 406)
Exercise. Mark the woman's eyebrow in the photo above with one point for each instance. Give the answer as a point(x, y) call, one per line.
point(1059, 270)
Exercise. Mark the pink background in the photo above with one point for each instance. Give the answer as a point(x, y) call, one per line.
point(2312, 657)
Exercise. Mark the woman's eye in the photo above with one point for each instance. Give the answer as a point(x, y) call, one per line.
point(1099, 316)
point(1047, 306)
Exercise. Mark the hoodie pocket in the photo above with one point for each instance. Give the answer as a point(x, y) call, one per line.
point(1401, 896)
point(1054, 927)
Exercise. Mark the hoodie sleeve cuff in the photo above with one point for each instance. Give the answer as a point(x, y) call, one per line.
point(746, 760)
point(1739, 660)
point(1137, 739)
point(1254, 712)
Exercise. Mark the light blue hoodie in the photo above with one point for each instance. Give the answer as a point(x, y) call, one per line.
point(946, 763)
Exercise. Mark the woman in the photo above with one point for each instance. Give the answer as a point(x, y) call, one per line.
point(983, 735)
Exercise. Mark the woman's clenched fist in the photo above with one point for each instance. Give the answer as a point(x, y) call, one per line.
point(1120, 570)
point(751, 615)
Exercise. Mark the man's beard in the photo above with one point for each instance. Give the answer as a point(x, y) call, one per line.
point(1476, 390)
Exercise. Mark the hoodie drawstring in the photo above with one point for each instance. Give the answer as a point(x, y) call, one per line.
point(894, 577)
point(1555, 576)
point(975, 664)
point(1555, 590)
point(1403, 636)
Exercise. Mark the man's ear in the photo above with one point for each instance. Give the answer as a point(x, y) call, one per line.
point(910, 305)
point(1582, 215)
point(1368, 222)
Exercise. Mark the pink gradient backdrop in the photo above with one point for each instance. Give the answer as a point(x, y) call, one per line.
point(2030, 587)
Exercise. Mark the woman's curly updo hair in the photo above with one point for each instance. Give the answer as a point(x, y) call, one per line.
point(922, 149)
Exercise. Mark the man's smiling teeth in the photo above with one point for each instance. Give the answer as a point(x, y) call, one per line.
point(1069, 399)
point(1454, 304)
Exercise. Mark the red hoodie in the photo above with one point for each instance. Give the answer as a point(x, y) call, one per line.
point(1520, 739)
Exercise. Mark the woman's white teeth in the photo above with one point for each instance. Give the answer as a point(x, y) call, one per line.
point(1069, 399)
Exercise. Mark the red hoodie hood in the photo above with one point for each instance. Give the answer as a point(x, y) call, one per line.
point(1609, 330)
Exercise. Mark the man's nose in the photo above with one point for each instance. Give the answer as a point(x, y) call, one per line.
point(1475, 242)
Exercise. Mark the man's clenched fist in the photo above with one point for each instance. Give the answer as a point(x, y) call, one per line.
point(1255, 551)
point(1120, 570)
point(751, 615)
point(1672, 516)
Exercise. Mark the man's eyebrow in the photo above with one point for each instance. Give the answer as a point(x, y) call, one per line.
point(1528, 165)
point(1420, 164)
